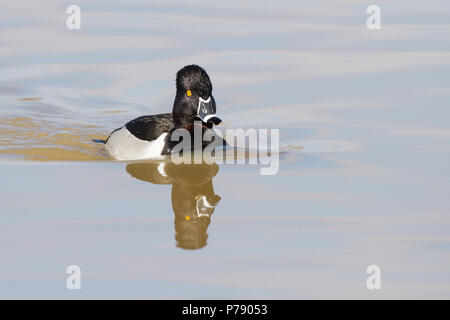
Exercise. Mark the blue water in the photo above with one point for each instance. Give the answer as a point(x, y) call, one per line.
point(371, 185)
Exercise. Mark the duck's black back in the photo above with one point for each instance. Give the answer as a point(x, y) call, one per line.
point(150, 127)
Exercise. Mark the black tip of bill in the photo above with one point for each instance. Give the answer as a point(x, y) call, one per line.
point(214, 120)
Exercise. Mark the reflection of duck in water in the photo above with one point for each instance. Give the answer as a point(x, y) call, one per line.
point(193, 198)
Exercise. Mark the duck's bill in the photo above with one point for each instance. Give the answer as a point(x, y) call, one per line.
point(207, 111)
point(212, 119)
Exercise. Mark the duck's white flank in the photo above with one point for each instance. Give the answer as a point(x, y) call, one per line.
point(122, 145)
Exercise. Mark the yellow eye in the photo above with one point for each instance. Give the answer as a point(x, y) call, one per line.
point(187, 217)
point(189, 93)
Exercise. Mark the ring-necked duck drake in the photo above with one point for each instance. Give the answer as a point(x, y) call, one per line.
point(149, 137)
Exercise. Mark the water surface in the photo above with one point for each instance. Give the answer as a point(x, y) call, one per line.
point(370, 186)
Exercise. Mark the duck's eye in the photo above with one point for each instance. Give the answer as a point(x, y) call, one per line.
point(189, 93)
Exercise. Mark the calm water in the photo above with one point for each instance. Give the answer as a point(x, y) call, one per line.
point(371, 110)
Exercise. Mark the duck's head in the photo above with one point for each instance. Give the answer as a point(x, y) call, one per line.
point(194, 100)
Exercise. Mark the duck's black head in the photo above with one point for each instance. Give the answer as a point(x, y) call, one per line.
point(194, 100)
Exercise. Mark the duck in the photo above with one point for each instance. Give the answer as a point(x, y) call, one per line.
point(149, 137)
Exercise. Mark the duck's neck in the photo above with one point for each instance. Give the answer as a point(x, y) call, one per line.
point(180, 113)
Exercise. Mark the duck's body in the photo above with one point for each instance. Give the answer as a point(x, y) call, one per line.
point(142, 138)
point(149, 137)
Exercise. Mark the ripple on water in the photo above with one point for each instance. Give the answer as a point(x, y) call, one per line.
point(24, 138)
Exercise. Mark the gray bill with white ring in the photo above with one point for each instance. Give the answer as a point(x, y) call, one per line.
point(207, 110)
